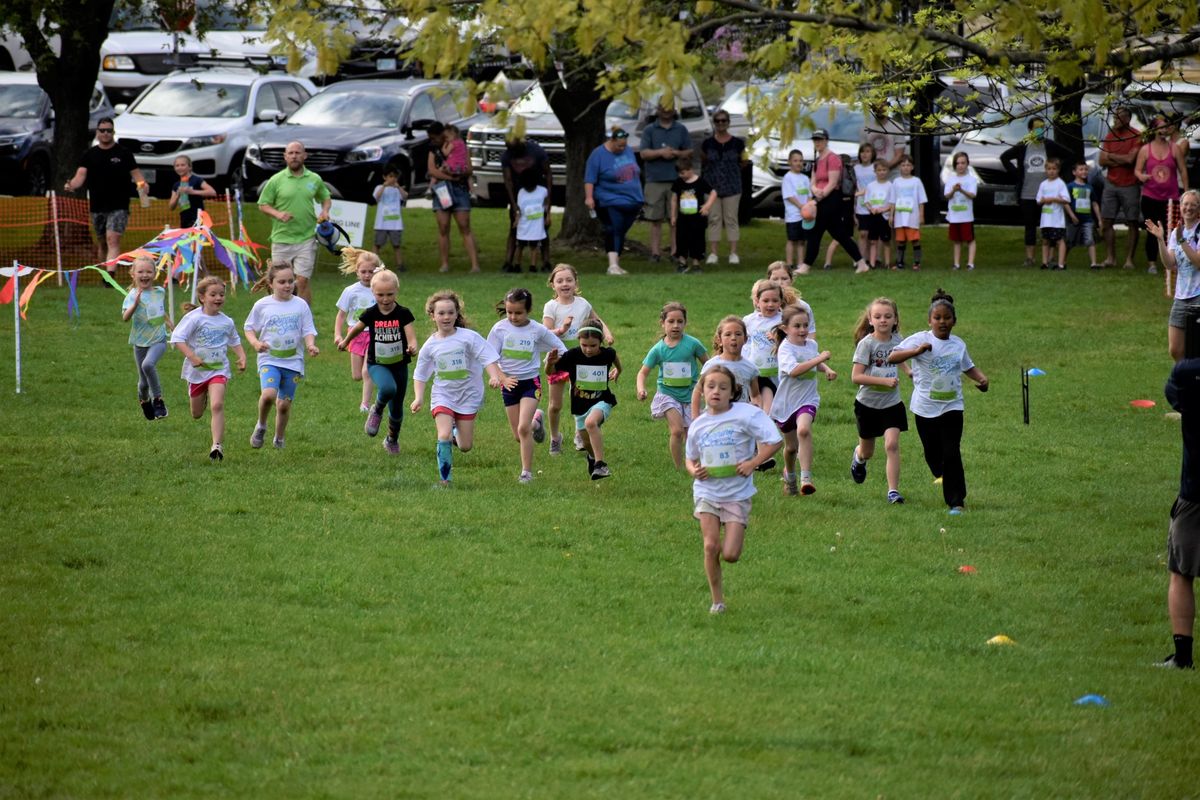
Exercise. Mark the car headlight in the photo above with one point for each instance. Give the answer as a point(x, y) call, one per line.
point(203, 141)
point(117, 62)
point(360, 154)
point(254, 153)
point(14, 139)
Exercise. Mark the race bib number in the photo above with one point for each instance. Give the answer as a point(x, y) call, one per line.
point(389, 352)
point(719, 460)
point(767, 362)
point(944, 388)
point(591, 378)
point(517, 347)
point(688, 204)
point(282, 346)
point(958, 205)
point(156, 312)
point(1083, 204)
point(905, 202)
point(533, 212)
point(185, 200)
point(677, 374)
point(211, 358)
point(452, 366)
point(1048, 208)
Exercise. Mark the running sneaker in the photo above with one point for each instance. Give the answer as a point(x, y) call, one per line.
point(717, 608)
point(454, 436)
point(579, 445)
point(556, 445)
point(160, 408)
point(525, 477)
point(217, 453)
point(807, 487)
point(148, 409)
point(391, 445)
point(789, 485)
point(894, 497)
point(374, 420)
point(766, 466)
point(803, 269)
point(363, 408)
point(279, 444)
point(858, 470)
point(1170, 663)
point(956, 511)
point(614, 269)
point(1151, 270)
point(539, 429)
point(259, 435)
point(600, 470)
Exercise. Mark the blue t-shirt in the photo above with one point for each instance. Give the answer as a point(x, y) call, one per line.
point(189, 204)
point(678, 371)
point(616, 178)
point(655, 137)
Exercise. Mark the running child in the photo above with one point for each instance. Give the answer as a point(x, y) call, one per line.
point(940, 359)
point(779, 273)
point(519, 340)
point(145, 307)
point(280, 329)
point(188, 193)
point(797, 192)
point(1052, 196)
point(564, 315)
point(592, 369)
point(678, 358)
point(691, 199)
point(878, 409)
point(960, 209)
point(390, 198)
point(909, 215)
point(392, 342)
point(728, 342)
point(724, 448)
point(356, 298)
point(1081, 229)
point(880, 200)
point(795, 406)
point(204, 336)
point(768, 299)
point(454, 357)
point(533, 219)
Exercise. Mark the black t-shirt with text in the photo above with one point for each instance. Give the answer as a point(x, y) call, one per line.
point(108, 180)
point(589, 377)
point(388, 343)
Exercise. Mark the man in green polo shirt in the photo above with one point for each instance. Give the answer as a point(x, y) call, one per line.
point(288, 199)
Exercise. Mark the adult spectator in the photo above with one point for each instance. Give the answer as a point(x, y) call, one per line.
point(451, 197)
point(519, 156)
point(1181, 252)
point(612, 185)
point(1161, 168)
point(287, 198)
point(722, 156)
point(1026, 164)
point(104, 169)
point(887, 137)
point(1122, 194)
point(827, 191)
point(663, 141)
point(1183, 537)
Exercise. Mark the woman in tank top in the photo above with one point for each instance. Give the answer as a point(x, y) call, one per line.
point(1161, 170)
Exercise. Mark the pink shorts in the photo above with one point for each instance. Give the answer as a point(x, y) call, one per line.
point(789, 424)
point(725, 510)
point(449, 412)
point(558, 377)
point(360, 343)
point(197, 389)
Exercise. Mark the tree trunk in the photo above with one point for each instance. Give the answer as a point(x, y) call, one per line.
point(580, 108)
point(1068, 119)
point(69, 76)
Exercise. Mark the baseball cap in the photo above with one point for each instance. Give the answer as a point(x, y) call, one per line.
point(820, 133)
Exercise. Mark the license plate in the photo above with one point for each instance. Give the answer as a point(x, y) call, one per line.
point(1006, 198)
point(385, 64)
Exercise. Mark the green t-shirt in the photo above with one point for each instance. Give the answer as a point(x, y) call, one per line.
point(677, 366)
point(294, 194)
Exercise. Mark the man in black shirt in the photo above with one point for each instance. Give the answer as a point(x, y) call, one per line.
point(1183, 540)
point(105, 168)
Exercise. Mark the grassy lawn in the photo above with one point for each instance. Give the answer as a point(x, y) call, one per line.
point(322, 622)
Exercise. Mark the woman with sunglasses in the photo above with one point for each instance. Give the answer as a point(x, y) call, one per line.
point(613, 192)
point(723, 156)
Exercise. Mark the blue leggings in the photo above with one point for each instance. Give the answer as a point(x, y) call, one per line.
point(616, 221)
point(146, 359)
point(391, 380)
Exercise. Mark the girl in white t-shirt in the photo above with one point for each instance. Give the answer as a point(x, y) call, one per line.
point(778, 272)
point(1180, 247)
point(145, 308)
point(280, 329)
point(357, 298)
point(519, 340)
point(939, 362)
point(878, 409)
point(767, 297)
point(796, 403)
point(564, 315)
point(728, 342)
point(724, 448)
point(533, 219)
point(960, 209)
point(454, 357)
point(203, 336)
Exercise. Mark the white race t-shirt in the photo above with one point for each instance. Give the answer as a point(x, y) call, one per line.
point(283, 326)
point(1187, 281)
point(937, 374)
point(760, 348)
point(910, 194)
point(959, 207)
point(872, 354)
point(720, 442)
point(531, 224)
point(355, 299)
point(864, 176)
point(797, 185)
point(879, 195)
point(579, 310)
point(1053, 215)
point(387, 209)
point(743, 369)
point(801, 390)
point(519, 347)
point(455, 363)
point(209, 337)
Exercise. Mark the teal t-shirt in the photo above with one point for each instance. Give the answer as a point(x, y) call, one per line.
point(294, 194)
point(148, 324)
point(678, 371)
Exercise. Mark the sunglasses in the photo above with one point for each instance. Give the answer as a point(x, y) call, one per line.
point(104, 130)
point(620, 135)
point(721, 121)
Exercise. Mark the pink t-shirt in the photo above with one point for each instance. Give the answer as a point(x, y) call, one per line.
point(1164, 175)
point(823, 167)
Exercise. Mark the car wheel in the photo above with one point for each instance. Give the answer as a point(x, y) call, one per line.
point(37, 176)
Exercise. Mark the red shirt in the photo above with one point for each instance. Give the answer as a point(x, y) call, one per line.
point(823, 167)
point(1121, 145)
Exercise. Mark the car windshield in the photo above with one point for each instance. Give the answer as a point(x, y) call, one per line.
point(1000, 128)
point(195, 98)
point(127, 17)
point(20, 102)
point(845, 124)
point(217, 16)
point(351, 108)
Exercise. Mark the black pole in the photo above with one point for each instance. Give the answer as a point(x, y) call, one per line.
point(1025, 392)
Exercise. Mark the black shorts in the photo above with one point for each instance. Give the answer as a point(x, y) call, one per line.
point(767, 383)
point(873, 422)
point(796, 232)
point(1053, 234)
point(1183, 539)
point(878, 229)
point(526, 387)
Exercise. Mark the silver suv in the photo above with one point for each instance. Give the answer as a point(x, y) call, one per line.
point(486, 141)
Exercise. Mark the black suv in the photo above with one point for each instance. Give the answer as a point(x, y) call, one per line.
point(354, 130)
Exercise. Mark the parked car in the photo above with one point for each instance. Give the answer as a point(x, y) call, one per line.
point(207, 115)
point(487, 140)
point(13, 55)
point(27, 132)
point(354, 130)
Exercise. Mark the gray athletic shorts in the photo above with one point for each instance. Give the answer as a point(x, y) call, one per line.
point(1121, 203)
point(1181, 310)
point(110, 221)
point(1183, 539)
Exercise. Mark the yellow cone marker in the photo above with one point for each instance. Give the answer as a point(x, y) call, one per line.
point(1000, 639)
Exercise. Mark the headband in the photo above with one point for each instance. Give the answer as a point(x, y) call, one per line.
point(591, 329)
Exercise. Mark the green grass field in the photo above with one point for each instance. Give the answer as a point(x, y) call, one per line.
point(322, 622)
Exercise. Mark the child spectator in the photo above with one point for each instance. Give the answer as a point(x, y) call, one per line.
point(879, 199)
point(797, 192)
point(1086, 208)
point(910, 213)
point(390, 198)
point(533, 219)
point(691, 199)
point(960, 209)
point(1055, 202)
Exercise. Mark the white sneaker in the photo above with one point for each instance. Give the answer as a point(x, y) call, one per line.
point(525, 477)
point(862, 268)
point(712, 259)
point(801, 270)
point(579, 445)
point(717, 608)
point(733, 259)
point(614, 269)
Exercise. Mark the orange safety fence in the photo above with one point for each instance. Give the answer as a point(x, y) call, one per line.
point(55, 233)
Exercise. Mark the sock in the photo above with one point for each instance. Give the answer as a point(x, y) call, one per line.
point(394, 428)
point(806, 476)
point(443, 459)
point(1183, 650)
point(900, 249)
point(917, 253)
point(856, 460)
